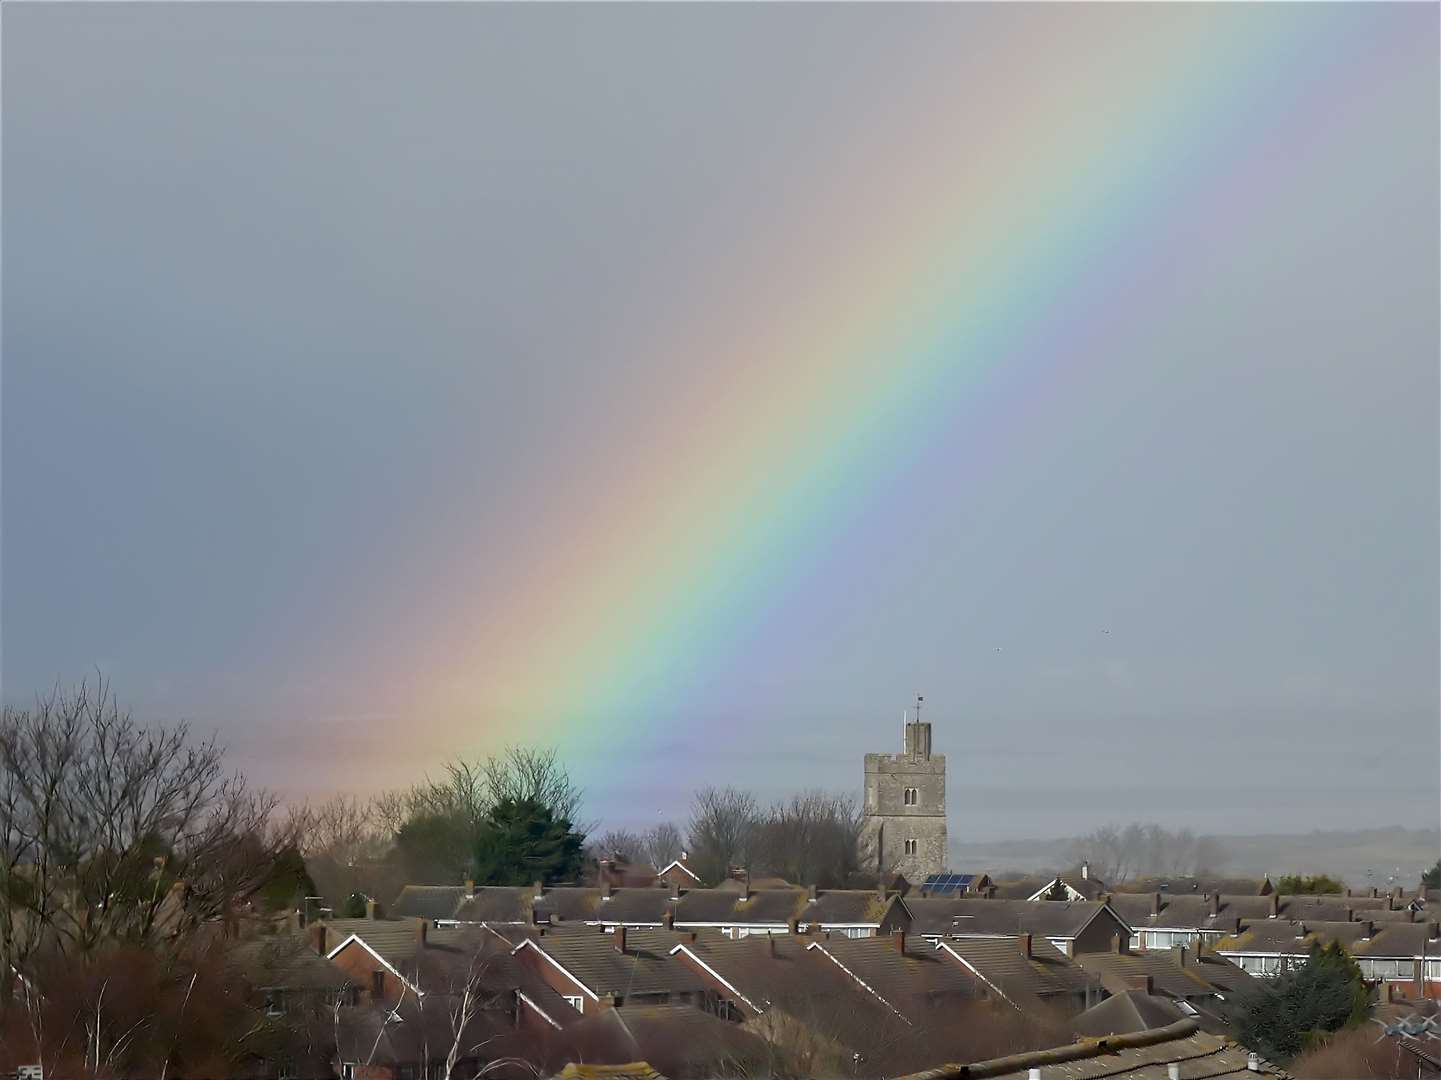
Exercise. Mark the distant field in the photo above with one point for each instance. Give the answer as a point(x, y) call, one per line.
point(1361, 858)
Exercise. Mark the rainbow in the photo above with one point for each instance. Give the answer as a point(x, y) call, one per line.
point(921, 285)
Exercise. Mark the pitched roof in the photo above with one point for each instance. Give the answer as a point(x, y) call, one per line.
point(908, 973)
point(680, 1039)
point(770, 907)
point(1001, 963)
point(1130, 1010)
point(498, 904)
point(394, 941)
point(967, 916)
point(593, 957)
point(1175, 973)
point(847, 907)
point(288, 961)
point(780, 975)
point(428, 901)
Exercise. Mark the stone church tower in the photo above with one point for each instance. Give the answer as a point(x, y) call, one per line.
point(905, 806)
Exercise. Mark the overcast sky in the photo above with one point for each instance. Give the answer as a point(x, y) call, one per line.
point(333, 336)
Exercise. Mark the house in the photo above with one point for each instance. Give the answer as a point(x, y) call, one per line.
point(1078, 886)
point(677, 874)
point(795, 997)
point(1024, 971)
point(1200, 983)
point(592, 970)
point(1387, 951)
point(1071, 926)
point(289, 970)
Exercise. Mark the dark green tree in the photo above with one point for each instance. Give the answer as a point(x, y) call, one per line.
point(523, 840)
point(1431, 879)
point(289, 882)
point(353, 908)
point(433, 848)
point(1316, 885)
point(1285, 1016)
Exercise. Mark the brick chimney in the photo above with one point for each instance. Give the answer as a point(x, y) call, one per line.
point(422, 928)
point(1025, 940)
point(898, 939)
point(370, 909)
point(618, 936)
point(317, 938)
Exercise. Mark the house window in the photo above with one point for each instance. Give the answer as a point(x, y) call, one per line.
point(910, 847)
point(576, 1002)
point(912, 796)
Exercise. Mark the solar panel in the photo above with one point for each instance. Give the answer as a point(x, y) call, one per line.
point(947, 884)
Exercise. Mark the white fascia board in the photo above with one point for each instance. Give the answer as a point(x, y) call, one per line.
point(527, 943)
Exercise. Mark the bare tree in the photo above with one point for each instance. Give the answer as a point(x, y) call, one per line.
point(1118, 854)
point(722, 830)
point(619, 844)
point(812, 838)
point(661, 844)
point(113, 832)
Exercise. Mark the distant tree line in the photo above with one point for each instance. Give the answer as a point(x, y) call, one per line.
point(1116, 854)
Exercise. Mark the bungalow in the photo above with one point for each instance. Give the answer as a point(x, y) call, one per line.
point(1073, 927)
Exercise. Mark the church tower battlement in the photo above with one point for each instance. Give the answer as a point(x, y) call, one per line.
point(905, 804)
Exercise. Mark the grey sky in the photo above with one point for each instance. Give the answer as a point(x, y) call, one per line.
point(305, 305)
